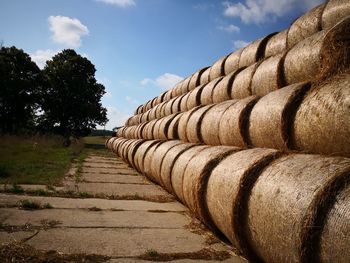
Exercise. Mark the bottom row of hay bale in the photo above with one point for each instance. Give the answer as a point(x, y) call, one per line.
point(272, 206)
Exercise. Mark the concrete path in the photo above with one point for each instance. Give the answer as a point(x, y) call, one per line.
point(110, 212)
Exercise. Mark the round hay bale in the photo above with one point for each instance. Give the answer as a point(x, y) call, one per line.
point(217, 69)
point(158, 157)
point(153, 102)
point(222, 90)
point(155, 131)
point(127, 132)
point(116, 145)
point(207, 92)
point(152, 113)
point(322, 122)
point(140, 130)
point(144, 130)
point(253, 52)
point(184, 87)
point(334, 12)
point(196, 79)
point(194, 97)
point(168, 162)
point(268, 76)
point(195, 180)
point(335, 239)
point(233, 125)
point(183, 103)
point(173, 133)
point(164, 126)
point(232, 61)
point(286, 206)
point(109, 141)
point(272, 117)
point(138, 110)
point(305, 26)
point(182, 126)
point(144, 116)
point(322, 54)
point(176, 104)
point(128, 154)
point(241, 86)
point(148, 161)
point(177, 90)
point(131, 152)
point(208, 129)
point(159, 110)
point(148, 105)
point(120, 132)
point(277, 44)
point(194, 123)
point(177, 173)
point(167, 95)
point(127, 149)
point(226, 188)
point(205, 77)
point(140, 154)
point(168, 106)
point(150, 128)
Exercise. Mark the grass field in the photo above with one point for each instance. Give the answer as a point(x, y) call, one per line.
point(42, 160)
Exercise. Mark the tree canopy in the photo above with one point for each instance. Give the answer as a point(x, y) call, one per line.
point(71, 102)
point(64, 98)
point(20, 85)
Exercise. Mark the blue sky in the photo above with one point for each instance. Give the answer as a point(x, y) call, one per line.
point(141, 47)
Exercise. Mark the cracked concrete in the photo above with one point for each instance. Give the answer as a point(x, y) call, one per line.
point(120, 229)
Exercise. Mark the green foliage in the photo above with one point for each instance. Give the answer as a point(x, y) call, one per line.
point(20, 85)
point(152, 252)
point(47, 206)
point(29, 205)
point(71, 101)
point(101, 133)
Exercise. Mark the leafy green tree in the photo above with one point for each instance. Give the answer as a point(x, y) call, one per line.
point(72, 98)
point(20, 85)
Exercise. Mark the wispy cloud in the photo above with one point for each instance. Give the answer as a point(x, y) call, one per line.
point(41, 56)
point(131, 100)
point(261, 11)
point(116, 117)
point(67, 31)
point(229, 28)
point(237, 44)
point(165, 81)
point(119, 3)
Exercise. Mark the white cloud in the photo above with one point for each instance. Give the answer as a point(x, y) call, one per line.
point(67, 31)
point(41, 56)
point(131, 100)
point(145, 82)
point(237, 44)
point(119, 3)
point(261, 11)
point(229, 28)
point(116, 117)
point(165, 81)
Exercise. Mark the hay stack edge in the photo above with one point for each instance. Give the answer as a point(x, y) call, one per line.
point(257, 145)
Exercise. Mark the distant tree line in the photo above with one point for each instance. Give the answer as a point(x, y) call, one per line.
point(64, 98)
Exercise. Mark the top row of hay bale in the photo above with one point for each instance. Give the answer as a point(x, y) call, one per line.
point(313, 59)
point(319, 18)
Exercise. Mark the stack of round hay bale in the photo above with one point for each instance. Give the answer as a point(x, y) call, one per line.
point(257, 145)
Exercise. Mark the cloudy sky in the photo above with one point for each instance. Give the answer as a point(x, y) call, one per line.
point(141, 47)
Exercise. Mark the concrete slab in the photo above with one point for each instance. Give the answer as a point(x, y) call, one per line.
point(117, 189)
point(109, 171)
point(117, 242)
point(114, 178)
point(74, 203)
point(234, 259)
point(92, 164)
point(97, 219)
